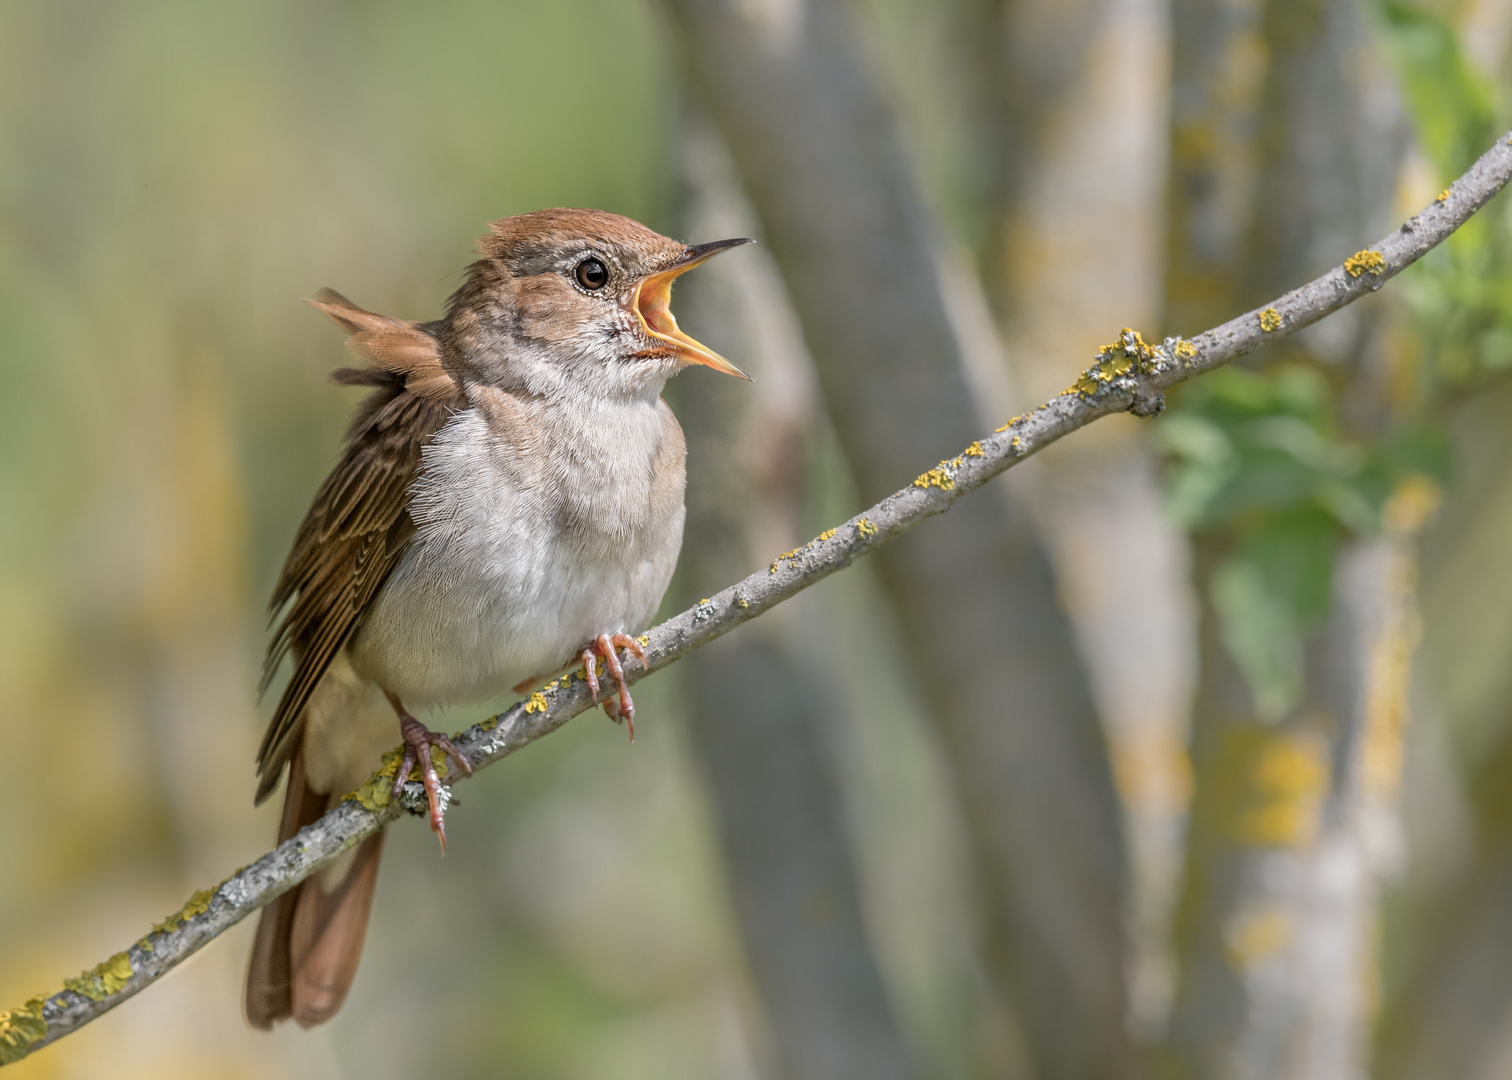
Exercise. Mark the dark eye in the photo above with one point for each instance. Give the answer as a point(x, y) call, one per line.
point(591, 274)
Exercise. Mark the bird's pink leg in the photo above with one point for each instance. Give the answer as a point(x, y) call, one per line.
point(418, 740)
point(604, 645)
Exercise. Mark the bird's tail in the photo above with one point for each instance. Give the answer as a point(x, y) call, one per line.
point(309, 940)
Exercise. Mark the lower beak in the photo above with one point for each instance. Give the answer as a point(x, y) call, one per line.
point(653, 295)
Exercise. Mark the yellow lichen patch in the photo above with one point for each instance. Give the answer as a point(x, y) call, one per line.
point(1017, 444)
point(99, 982)
point(936, 477)
point(198, 904)
point(974, 450)
point(1270, 785)
point(643, 640)
point(1119, 357)
point(704, 601)
point(742, 603)
point(1270, 320)
point(1389, 671)
point(1289, 782)
point(20, 1029)
point(489, 724)
point(1256, 936)
point(1185, 350)
point(1364, 262)
point(1008, 425)
point(785, 555)
point(865, 529)
point(1083, 385)
point(537, 703)
point(827, 534)
point(1442, 197)
point(1412, 504)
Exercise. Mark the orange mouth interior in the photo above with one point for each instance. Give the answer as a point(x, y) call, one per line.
point(652, 301)
point(655, 306)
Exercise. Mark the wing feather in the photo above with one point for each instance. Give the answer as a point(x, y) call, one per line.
point(359, 524)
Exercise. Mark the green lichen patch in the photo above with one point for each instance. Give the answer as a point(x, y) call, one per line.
point(20, 1029)
point(102, 981)
point(1365, 262)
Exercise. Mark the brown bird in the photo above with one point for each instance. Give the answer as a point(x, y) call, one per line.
point(509, 500)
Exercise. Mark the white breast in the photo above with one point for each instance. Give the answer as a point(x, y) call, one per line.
point(537, 531)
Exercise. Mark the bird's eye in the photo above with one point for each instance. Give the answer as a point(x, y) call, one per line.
point(591, 274)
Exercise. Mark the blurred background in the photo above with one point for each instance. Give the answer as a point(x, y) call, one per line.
point(1179, 752)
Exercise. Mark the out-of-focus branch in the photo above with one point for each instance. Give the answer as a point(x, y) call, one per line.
point(1446, 1015)
point(1125, 378)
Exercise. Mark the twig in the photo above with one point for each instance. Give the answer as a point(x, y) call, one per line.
point(1128, 376)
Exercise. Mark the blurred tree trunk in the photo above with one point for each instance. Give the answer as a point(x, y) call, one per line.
point(1448, 1015)
point(824, 166)
point(1074, 255)
point(1286, 144)
point(758, 703)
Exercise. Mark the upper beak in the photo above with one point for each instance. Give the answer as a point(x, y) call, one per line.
point(653, 294)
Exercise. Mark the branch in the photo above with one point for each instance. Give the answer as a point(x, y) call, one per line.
point(1129, 376)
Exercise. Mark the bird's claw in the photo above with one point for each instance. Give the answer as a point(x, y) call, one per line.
point(620, 707)
point(418, 740)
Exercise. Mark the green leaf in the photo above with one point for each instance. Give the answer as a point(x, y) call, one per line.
point(1269, 594)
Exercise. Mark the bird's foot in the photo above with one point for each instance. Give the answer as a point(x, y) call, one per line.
point(418, 740)
point(620, 707)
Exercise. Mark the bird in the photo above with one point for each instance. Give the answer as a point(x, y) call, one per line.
point(508, 502)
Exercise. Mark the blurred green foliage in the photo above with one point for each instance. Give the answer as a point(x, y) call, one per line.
point(1265, 456)
point(1262, 455)
point(1461, 293)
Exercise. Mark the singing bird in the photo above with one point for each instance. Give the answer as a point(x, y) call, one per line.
point(509, 500)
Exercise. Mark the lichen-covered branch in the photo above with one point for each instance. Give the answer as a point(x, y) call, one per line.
point(1128, 376)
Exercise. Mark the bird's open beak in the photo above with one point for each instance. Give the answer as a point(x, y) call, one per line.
point(651, 299)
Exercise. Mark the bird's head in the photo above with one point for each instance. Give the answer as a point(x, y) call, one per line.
point(576, 302)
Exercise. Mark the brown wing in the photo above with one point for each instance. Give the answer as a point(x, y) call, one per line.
point(359, 524)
